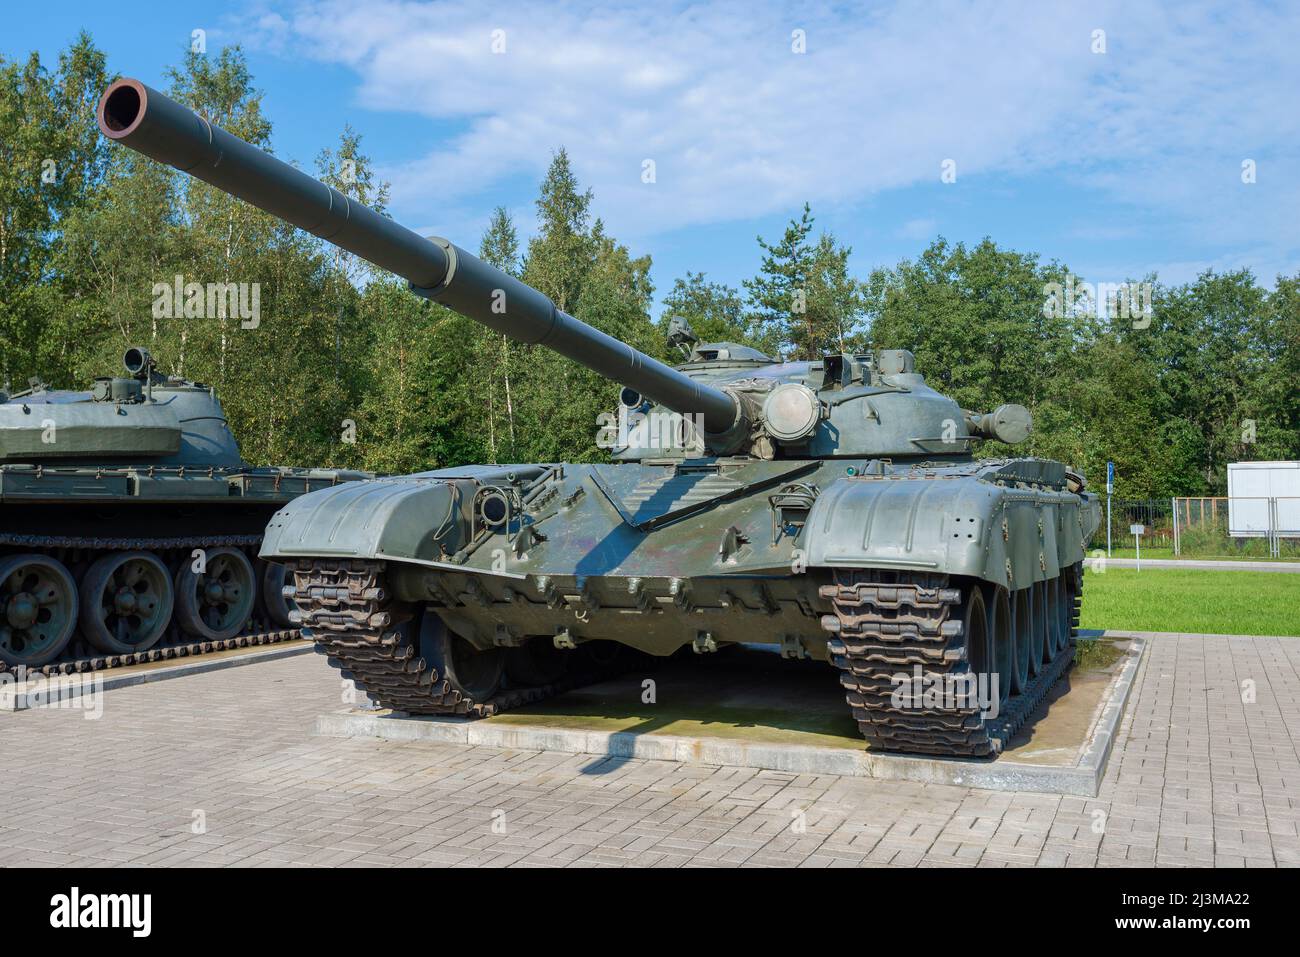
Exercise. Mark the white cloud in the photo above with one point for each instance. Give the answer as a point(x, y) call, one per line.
point(924, 228)
point(739, 126)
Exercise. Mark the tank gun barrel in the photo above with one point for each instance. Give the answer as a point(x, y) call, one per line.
point(140, 117)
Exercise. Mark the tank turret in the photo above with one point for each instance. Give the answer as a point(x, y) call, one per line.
point(145, 415)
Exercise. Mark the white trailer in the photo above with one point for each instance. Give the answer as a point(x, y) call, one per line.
point(1264, 500)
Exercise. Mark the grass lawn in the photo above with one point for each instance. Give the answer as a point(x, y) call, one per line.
point(1177, 599)
point(1219, 555)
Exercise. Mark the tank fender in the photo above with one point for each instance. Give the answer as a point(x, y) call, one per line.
point(1011, 537)
point(411, 518)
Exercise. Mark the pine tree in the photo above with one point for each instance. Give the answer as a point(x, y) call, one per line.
point(499, 247)
point(226, 231)
point(550, 407)
point(779, 293)
point(500, 243)
point(350, 171)
point(803, 298)
point(562, 252)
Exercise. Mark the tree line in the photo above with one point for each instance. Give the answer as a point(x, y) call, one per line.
point(344, 367)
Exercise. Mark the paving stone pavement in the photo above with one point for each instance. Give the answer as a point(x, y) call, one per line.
point(220, 769)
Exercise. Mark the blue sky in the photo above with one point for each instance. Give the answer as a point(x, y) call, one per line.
point(1117, 163)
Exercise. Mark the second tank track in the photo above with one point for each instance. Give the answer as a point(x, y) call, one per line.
point(82, 658)
point(86, 663)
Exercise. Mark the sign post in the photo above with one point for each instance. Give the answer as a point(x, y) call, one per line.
point(1138, 531)
point(1110, 487)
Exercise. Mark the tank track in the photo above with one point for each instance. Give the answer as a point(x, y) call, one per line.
point(130, 544)
point(174, 644)
point(881, 628)
point(343, 607)
point(102, 662)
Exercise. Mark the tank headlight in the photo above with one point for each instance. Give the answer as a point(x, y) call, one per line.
point(791, 412)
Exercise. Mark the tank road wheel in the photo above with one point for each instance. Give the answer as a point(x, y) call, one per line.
point(1022, 617)
point(1038, 648)
point(975, 627)
point(1067, 609)
point(1052, 642)
point(271, 594)
point(1002, 643)
point(1055, 606)
point(216, 603)
point(38, 609)
point(474, 673)
point(126, 602)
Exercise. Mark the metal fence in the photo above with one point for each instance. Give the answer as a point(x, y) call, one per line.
point(1204, 526)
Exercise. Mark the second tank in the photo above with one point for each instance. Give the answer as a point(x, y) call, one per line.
point(130, 525)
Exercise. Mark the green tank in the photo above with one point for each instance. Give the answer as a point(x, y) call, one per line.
point(832, 509)
point(129, 525)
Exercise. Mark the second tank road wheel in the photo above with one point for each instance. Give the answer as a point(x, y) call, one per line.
point(126, 602)
point(38, 609)
point(217, 602)
point(1066, 630)
point(1055, 607)
point(475, 673)
point(270, 594)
